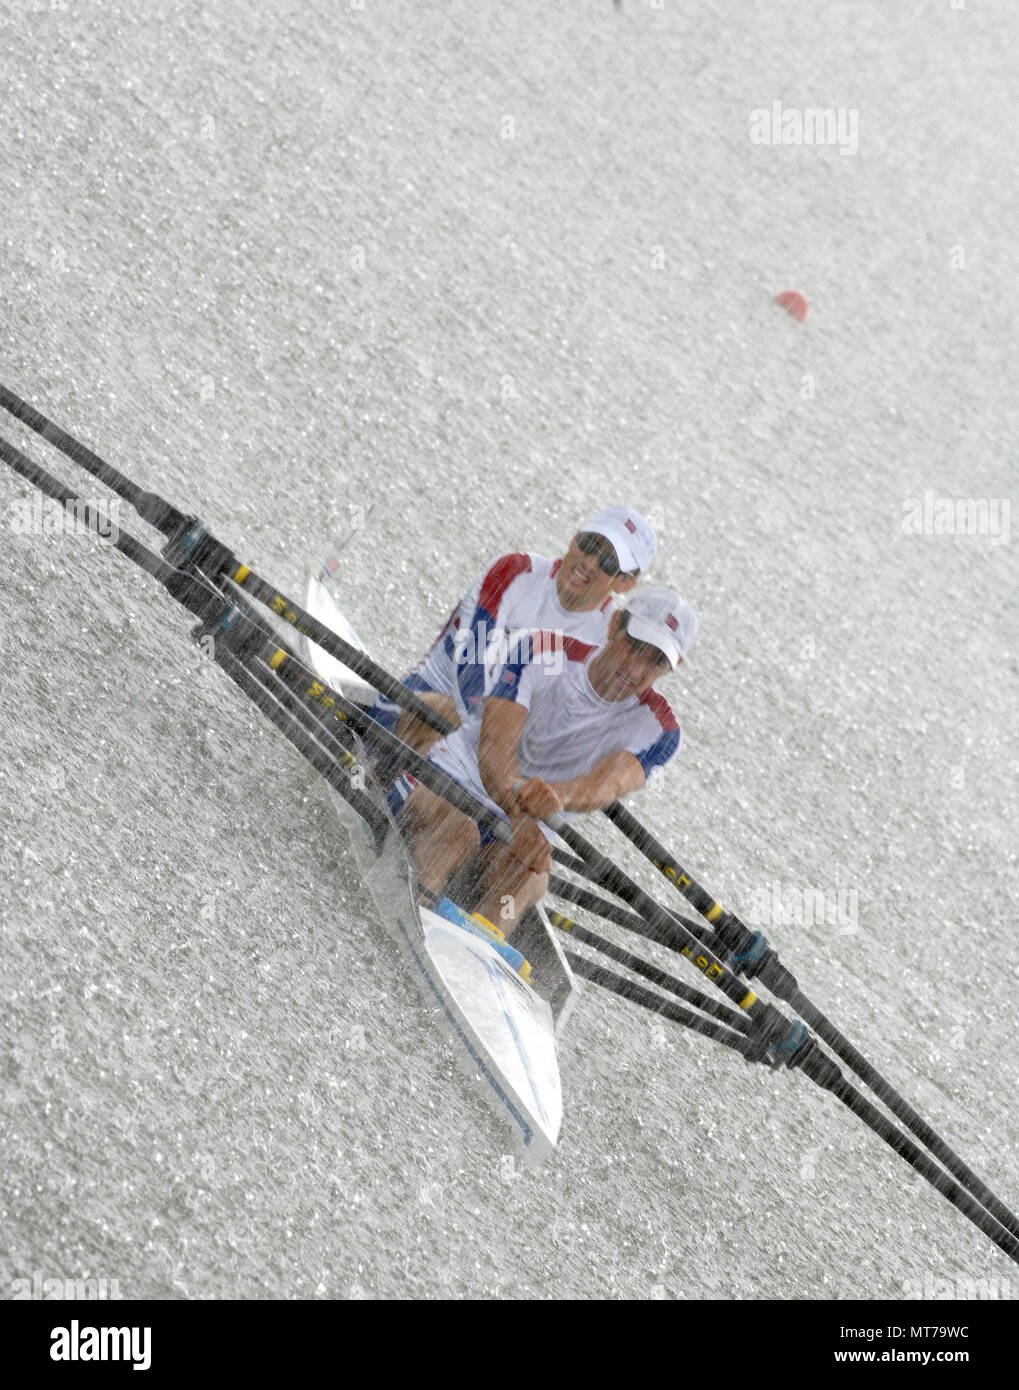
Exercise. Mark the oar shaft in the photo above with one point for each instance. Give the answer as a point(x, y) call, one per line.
point(649, 972)
point(784, 986)
point(924, 1164)
point(614, 912)
point(901, 1108)
point(148, 505)
point(352, 657)
point(612, 878)
point(51, 487)
point(663, 861)
point(655, 1003)
point(272, 701)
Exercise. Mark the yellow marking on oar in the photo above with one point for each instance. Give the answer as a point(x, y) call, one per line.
point(277, 659)
point(562, 922)
point(749, 998)
point(715, 913)
point(681, 879)
point(241, 573)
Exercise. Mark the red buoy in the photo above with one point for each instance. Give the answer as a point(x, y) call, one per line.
point(794, 303)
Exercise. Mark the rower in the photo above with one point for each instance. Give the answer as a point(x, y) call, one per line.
point(550, 739)
point(519, 594)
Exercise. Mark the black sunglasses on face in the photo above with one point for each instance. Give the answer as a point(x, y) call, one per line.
point(590, 543)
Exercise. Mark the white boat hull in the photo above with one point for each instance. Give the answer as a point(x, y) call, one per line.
point(504, 1029)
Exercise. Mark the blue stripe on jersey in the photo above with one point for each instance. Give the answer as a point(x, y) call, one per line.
point(657, 754)
point(507, 686)
point(469, 667)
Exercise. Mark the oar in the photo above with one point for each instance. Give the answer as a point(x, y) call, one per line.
point(272, 700)
point(622, 917)
point(772, 1037)
point(656, 1003)
point(755, 959)
point(190, 544)
point(649, 972)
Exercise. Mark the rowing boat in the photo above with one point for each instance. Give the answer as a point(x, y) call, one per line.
point(504, 1029)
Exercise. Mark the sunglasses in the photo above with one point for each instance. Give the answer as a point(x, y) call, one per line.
point(590, 543)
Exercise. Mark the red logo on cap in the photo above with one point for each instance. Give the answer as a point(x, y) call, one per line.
point(630, 526)
point(671, 623)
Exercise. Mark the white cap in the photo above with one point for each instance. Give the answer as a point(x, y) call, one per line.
point(632, 536)
point(661, 617)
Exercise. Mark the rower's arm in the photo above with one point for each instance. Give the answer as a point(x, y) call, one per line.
point(415, 732)
point(612, 778)
point(502, 728)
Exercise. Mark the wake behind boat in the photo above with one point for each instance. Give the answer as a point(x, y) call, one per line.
point(503, 1028)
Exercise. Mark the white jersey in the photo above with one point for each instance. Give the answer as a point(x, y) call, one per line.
point(569, 727)
point(514, 597)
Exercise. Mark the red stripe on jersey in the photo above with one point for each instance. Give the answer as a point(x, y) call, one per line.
point(576, 650)
point(660, 708)
point(571, 647)
point(555, 569)
point(498, 579)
